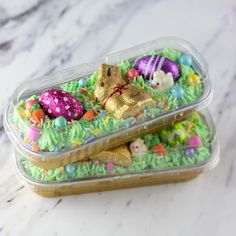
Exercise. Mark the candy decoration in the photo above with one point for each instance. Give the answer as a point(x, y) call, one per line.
point(117, 95)
point(138, 148)
point(38, 115)
point(35, 147)
point(33, 133)
point(118, 156)
point(189, 152)
point(195, 142)
point(147, 65)
point(159, 149)
point(193, 79)
point(30, 103)
point(110, 166)
point(70, 168)
point(60, 122)
point(162, 81)
point(89, 115)
point(185, 60)
point(57, 103)
point(132, 73)
point(82, 82)
point(177, 91)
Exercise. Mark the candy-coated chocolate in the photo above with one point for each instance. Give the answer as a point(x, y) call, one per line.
point(33, 133)
point(60, 122)
point(147, 65)
point(132, 73)
point(57, 103)
point(30, 103)
point(82, 82)
point(195, 141)
point(177, 91)
point(185, 60)
point(110, 166)
point(193, 79)
point(70, 168)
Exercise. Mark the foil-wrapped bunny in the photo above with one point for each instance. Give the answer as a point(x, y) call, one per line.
point(117, 96)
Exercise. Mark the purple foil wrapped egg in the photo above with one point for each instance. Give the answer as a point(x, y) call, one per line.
point(147, 65)
point(57, 103)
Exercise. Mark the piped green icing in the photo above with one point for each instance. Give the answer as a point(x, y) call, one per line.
point(78, 132)
point(175, 157)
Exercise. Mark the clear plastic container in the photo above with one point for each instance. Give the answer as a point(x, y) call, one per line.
point(55, 146)
point(180, 160)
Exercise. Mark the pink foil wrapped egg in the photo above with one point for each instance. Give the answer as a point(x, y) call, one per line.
point(57, 103)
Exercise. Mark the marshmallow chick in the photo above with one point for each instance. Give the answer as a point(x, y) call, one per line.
point(138, 148)
point(162, 81)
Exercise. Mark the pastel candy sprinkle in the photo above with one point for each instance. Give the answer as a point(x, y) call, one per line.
point(189, 152)
point(82, 82)
point(70, 168)
point(110, 166)
point(177, 91)
point(186, 60)
point(33, 133)
point(60, 122)
point(195, 142)
point(30, 103)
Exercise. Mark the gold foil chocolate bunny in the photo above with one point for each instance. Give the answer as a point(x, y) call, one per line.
point(117, 96)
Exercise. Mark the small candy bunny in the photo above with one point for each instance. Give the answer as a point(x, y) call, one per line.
point(138, 148)
point(162, 81)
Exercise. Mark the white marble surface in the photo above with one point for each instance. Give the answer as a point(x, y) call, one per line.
point(39, 36)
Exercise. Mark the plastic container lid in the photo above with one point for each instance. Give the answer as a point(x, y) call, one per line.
point(51, 143)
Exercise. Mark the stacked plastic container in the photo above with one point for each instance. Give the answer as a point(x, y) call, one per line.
point(172, 141)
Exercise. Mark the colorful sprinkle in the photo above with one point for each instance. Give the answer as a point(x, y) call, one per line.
point(132, 73)
point(35, 147)
point(159, 149)
point(189, 152)
point(89, 115)
point(185, 60)
point(194, 79)
point(177, 91)
point(110, 166)
point(195, 141)
point(82, 82)
point(60, 122)
point(70, 168)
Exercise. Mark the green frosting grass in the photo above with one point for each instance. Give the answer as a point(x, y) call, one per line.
point(81, 131)
point(174, 139)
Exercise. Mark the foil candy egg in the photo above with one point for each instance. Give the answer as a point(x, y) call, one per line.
point(57, 103)
point(147, 65)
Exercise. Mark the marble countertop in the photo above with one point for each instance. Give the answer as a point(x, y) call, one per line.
point(39, 36)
